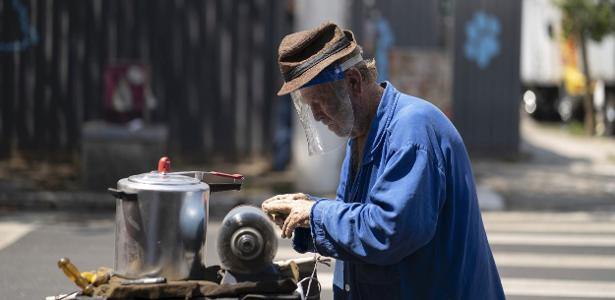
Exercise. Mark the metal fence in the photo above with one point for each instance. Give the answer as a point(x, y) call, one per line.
point(416, 24)
point(212, 65)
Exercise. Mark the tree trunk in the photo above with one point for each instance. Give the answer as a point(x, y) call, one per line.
point(588, 105)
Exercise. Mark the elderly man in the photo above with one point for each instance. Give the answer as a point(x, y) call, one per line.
point(405, 223)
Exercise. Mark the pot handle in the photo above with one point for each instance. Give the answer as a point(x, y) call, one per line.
point(232, 176)
point(219, 187)
point(119, 194)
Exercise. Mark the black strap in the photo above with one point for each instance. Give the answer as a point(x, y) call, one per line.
point(312, 61)
point(122, 195)
point(219, 187)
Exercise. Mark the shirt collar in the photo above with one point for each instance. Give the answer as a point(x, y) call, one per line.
point(381, 120)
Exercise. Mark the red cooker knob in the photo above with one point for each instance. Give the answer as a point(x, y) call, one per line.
point(164, 165)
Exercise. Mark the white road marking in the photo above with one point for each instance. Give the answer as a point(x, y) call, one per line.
point(530, 217)
point(326, 281)
point(10, 232)
point(288, 253)
point(551, 240)
point(532, 287)
point(537, 229)
point(552, 227)
point(558, 288)
point(554, 261)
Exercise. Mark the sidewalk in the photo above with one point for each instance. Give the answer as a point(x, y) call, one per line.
point(556, 171)
point(41, 187)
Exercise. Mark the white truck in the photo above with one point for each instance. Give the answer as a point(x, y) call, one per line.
point(551, 69)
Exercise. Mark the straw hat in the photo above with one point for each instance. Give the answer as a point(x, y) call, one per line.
point(304, 54)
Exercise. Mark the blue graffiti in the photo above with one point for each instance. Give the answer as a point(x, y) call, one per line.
point(386, 39)
point(30, 37)
point(482, 43)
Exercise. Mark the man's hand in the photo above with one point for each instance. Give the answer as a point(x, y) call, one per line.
point(289, 211)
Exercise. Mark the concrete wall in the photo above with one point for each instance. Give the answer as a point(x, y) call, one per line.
point(424, 73)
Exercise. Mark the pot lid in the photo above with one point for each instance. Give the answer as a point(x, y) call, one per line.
point(163, 177)
point(156, 178)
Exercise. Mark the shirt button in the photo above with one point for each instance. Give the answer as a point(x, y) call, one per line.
point(347, 287)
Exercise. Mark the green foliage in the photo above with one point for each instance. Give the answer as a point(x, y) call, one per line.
point(575, 128)
point(592, 18)
point(583, 19)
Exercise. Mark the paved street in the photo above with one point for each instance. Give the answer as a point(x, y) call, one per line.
point(556, 171)
point(539, 255)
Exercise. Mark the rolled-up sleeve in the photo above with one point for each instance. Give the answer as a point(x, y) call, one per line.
point(398, 215)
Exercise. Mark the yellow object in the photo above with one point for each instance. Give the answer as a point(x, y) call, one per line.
point(89, 276)
point(74, 275)
point(101, 276)
point(574, 81)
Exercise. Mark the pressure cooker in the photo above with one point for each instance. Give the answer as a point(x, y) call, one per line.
point(161, 221)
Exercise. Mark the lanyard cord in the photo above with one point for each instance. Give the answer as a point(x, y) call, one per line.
point(316, 259)
point(305, 296)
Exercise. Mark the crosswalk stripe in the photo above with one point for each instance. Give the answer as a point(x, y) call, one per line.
point(289, 252)
point(577, 217)
point(553, 229)
point(10, 232)
point(572, 230)
point(606, 228)
point(555, 261)
point(531, 287)
point(551, 240)
point(558, 288)
point(326, 281)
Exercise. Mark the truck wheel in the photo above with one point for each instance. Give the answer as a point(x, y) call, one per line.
point(529, 102)
point(539, 103)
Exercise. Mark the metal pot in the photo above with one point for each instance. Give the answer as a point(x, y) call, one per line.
point(161, 222)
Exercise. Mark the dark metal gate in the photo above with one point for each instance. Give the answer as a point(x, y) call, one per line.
point(212, 65)
point(486, 84)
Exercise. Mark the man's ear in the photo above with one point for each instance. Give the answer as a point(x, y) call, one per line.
point(354, 82)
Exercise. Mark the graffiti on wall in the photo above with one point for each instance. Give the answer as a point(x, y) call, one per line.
point(482, 43)
point(27, 36)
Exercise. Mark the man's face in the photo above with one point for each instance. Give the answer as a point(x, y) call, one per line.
point(330, 107)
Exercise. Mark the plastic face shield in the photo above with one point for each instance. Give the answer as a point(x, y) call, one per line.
point(324, 108)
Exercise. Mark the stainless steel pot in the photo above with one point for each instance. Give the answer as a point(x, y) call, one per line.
point(161, 222)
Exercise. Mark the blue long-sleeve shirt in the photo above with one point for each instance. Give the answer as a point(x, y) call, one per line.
point(407, 225)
